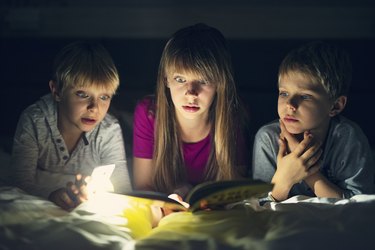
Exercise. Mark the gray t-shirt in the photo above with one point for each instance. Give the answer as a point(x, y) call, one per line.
point(347, 158)
point(40, 159)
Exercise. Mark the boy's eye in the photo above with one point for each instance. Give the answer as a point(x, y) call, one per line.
point(105, 97)
point(82, 94)
point(305, 97)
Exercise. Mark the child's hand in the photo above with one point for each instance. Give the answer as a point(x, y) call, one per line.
point(295, 166)
point(70, 196)
point(78, 189)
point(175, 197)
point(62, 199)
point(182, 191)
point(291, 140)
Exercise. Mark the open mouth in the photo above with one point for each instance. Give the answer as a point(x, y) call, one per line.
point(88, 121)
point(190, 109)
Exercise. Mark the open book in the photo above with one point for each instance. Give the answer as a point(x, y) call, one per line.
point(211, 195)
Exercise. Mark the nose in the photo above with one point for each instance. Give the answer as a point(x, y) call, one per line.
point(93, 105)
point(192, 89)
point(292, 104)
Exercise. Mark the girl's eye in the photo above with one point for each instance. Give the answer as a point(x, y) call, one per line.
point(204, 82)
point(82, 94)
point(105, 97)
point(283, 94)
point(179, 79)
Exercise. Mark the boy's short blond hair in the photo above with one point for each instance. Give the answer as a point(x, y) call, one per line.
point(323, 63)
point(85, 64)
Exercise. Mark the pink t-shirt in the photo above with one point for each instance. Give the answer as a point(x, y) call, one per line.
point(195, 154)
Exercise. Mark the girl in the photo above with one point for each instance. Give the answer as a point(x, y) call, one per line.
point(188, 133)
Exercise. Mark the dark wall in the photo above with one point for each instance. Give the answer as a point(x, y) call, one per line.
point(26, 63)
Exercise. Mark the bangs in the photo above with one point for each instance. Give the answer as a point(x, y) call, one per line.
point(109, 86)
point(85, 76)
point(203, 67)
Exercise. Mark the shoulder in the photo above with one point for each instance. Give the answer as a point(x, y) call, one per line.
point(342, 128)
point(147, 102)
point(145, 108)
point(41, 110)
point(109, 122)
point(270, 129)
point(268, 135)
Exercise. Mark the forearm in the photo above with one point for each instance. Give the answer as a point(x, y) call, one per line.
point(322, 187)
point(281, 188)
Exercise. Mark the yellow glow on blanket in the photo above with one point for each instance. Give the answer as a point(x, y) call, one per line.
point(121, 210)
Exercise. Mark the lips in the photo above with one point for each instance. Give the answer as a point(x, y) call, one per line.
point(190, 109)
point(88, 121)
point(290, 119)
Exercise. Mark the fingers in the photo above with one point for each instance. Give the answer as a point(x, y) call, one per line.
point(79, 189)
point(306, 144)
point(312, 155)
point(66, 202)
point(61, 198)
point(315, 168)
point(178, 198)
point(282, 149)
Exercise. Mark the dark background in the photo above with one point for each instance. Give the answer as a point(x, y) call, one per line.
point(259, 34)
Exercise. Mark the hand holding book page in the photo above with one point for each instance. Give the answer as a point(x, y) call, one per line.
point(208, 195)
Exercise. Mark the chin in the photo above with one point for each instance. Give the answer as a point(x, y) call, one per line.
point(295, 131)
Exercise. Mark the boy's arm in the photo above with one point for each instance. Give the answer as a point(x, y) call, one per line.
point(295, 166)
point(112, 151)
point(25, 157)
point(351, 161)
point(320, 185)
point(264, 153)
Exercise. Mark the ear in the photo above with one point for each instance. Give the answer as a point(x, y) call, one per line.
point(338, 106)
point(54, 91)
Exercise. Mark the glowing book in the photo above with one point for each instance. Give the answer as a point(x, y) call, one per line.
point(209, 195)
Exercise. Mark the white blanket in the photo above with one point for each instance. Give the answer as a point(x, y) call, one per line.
point(112, 222)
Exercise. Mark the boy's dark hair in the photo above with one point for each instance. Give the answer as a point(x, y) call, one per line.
point(323, 63)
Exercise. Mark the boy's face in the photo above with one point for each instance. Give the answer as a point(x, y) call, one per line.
point(303, 105)
point(81, 109)
point(191, 95)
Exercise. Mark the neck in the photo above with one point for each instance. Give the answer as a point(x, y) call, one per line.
point(194, 131)
point(319, 134)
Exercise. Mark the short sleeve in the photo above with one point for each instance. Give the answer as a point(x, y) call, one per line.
point(143, 129)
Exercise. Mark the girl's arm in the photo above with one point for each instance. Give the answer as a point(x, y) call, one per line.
point(142, 173)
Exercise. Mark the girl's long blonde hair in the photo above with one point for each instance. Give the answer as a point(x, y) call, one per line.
point(201, 50)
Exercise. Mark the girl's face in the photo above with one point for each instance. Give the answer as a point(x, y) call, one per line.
point(81, 109)
point(303, 105)
point(192, 96)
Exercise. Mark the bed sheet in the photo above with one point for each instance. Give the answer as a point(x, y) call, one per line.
point(112, 222)
point(298, 223)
